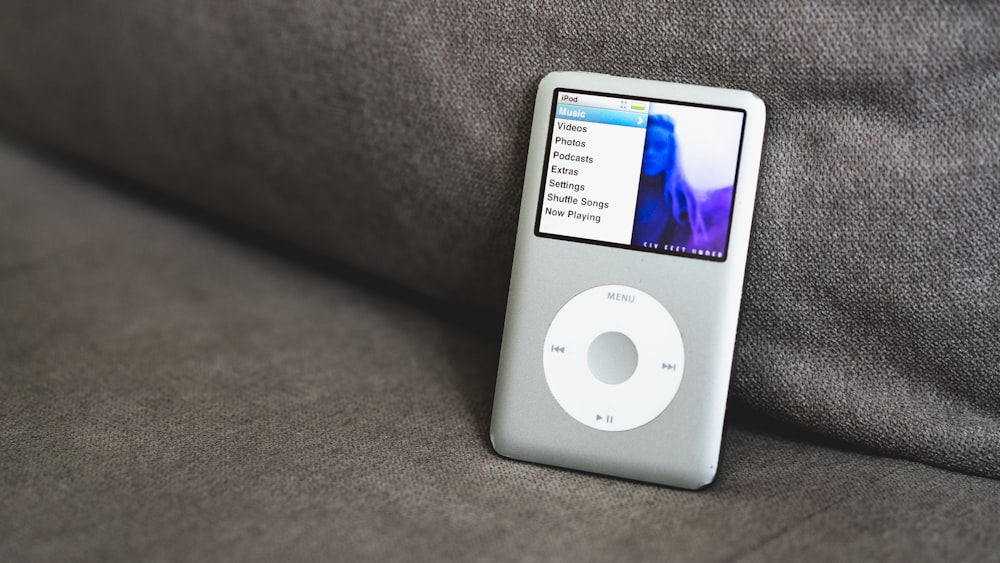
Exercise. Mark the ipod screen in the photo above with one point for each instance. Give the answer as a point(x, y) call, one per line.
point(640, 173)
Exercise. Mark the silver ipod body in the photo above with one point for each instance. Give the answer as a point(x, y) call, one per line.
point(627, 277)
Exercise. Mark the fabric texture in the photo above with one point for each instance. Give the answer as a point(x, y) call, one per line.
point(172, 389)
point(392, 136)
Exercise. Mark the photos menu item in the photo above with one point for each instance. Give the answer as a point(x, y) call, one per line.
point(650, 175)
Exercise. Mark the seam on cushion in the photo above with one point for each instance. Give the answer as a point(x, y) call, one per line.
point(800, 522)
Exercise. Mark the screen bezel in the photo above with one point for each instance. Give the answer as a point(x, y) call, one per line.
point(550, 126)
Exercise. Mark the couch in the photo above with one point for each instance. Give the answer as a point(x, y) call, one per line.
point(254, 258)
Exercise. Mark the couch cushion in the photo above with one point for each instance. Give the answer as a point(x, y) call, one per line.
point(392, 136)
point(172, 389)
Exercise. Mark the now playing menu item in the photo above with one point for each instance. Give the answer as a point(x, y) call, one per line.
point(644, 174)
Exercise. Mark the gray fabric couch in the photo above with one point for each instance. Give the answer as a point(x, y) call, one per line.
point(253, 260)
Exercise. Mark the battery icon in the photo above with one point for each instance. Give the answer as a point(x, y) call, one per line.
point(638, 106)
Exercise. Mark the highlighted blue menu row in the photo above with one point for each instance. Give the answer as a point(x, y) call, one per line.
point(600, 115)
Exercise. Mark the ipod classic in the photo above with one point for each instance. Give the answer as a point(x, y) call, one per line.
point(627, 277)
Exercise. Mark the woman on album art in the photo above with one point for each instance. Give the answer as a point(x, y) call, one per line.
point(669, 213)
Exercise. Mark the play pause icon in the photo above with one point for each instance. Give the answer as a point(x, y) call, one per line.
point(608, 419)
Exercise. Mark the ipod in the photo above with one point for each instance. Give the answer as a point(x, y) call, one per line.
point(627, 277)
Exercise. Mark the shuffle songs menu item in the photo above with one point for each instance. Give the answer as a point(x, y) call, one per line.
point(592, 169)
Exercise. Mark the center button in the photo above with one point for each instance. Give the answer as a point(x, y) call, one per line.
point(612, 358)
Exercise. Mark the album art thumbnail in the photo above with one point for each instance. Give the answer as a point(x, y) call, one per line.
point(686, 184)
